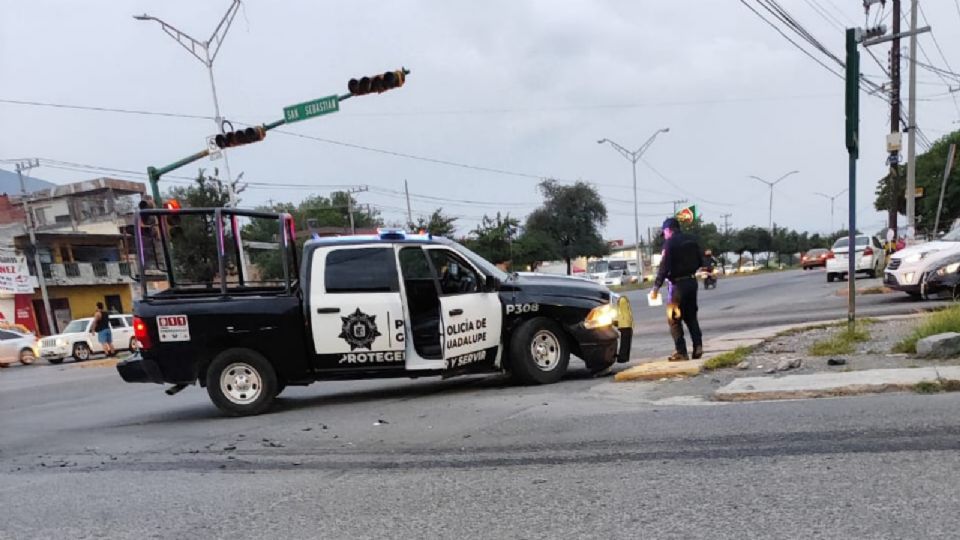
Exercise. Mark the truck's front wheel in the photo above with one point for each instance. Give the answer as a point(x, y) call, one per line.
point(539, 353)
point(241, 382)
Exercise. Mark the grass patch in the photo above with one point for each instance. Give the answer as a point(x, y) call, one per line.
point(866, 321)
point(727, 359)
point(927, 387)
point(935, 387)
point(938, 322)
point(843, 342)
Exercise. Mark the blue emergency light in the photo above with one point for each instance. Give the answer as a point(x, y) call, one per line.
point(391, 234)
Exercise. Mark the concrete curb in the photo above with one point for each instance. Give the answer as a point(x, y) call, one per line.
point(652, 369)
point(850, 383)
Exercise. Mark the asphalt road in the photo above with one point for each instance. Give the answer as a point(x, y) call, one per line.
point(766, 299)
point(84, 455)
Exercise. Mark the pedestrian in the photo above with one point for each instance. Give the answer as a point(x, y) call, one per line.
point(679, 263)
point(101, 327)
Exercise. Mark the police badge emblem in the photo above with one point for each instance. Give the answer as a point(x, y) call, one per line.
point(359, 330)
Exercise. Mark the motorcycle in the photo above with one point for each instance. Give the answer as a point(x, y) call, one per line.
point(709, 277)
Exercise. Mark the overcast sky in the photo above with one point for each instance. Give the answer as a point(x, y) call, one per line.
point(520, 86)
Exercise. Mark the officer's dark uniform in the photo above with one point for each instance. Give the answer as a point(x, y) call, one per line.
point(681, 259)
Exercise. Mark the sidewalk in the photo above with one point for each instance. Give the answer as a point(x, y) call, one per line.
point(849, 383)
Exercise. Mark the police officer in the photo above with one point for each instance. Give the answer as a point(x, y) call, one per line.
point(680, 261)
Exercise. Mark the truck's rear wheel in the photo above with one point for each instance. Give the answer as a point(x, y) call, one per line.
point(539, 353)
point(241, 382)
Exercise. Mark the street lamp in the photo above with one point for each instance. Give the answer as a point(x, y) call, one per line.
point(634, 157)
point(206, 52)
point(771, 184)
point(831, 199)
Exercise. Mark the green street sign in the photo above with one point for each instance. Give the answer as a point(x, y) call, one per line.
point(309, 109)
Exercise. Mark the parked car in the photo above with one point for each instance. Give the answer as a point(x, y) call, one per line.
point(815, 258)
point(613, 278)
point(77, 341)
point(17, 347)
point(908, 266)
point(748, 267)
point(868, 255)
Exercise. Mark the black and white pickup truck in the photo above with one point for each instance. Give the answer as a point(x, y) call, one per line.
point(355, 307)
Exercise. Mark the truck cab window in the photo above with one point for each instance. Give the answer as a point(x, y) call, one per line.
point(364, 270)
point(423, 301)
point(456, 276)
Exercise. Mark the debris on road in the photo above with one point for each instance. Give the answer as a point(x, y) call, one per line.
point(837, 362)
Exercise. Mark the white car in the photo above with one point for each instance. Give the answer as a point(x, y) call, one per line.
point(613, 278)
point(17, 347)
point(748, 267)
point(868, 255)
point(907, 267)
point(77, 341)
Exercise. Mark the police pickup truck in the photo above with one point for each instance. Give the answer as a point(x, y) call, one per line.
point(245, 321)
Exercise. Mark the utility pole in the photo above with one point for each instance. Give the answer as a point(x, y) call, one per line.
point(943, 186)
point(350, 192)
point(206, 53)
point(678, 202)
point(634, 157)
point(726, 223)
point(912, 128)
point(406, 191)
point(31, 230)
point(894, 159)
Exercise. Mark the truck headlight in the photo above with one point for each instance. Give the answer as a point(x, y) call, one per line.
point(60, 342)
point(601, 316)
point(948, 269)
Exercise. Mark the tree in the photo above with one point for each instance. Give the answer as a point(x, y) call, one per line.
point(193, 238)
point(315, 210)
point(437, 224)
point(570, 221)
point(493, 238)
point(930, 167)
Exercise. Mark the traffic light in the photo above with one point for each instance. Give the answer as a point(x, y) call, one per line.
point(240, 137)
point(146, 203)
point(377, 83)
point(174, 230)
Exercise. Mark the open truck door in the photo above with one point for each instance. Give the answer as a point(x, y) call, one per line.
point(471, 316)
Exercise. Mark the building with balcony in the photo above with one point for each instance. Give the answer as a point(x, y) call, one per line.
point(84, 247)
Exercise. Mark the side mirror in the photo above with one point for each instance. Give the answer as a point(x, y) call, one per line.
point(491, 284)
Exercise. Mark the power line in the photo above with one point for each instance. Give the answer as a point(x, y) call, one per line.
point(936, 43)
point(104, 109)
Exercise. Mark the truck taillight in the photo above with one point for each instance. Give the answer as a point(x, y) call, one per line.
point(868, 252)
point(140, 332)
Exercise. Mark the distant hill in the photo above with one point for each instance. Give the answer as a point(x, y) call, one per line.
point(10, 184)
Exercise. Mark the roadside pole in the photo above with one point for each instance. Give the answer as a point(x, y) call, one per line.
point(31, 229)
point(852, 108)
point(943, 186)
point(912, 129)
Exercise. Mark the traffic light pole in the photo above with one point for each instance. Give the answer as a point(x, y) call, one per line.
point(154, 173)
